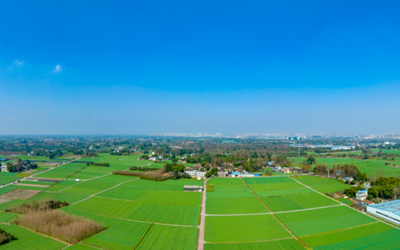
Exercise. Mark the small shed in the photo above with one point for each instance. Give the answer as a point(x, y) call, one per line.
point(193, 188)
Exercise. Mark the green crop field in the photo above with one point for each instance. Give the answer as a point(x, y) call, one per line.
point(243, 228)
point(323, 220)
point(62, 185)
point(63, 171)
point(97, 185)
point(169, 237)
point(38, 182)
point(120, 235)
point(8, 177)
point(81, 247)
point(234, 194)
point(295, 202)
point(70, 198)
point(377, 235)
point(235, 206)
point(27, 187)
point(228, 188)
point(172, 185)
point(289, 244)
point(275, 186)
point(232, 181)
point(268, 180)
point(6, 189)
point(155, 196)
point(141, 211)
point(29, 240)
point(323, 185)
point(7, 217)
point(87, 174)
point(292, 191)
point(370, 166)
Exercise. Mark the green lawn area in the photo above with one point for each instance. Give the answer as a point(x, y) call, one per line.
point(243, 228)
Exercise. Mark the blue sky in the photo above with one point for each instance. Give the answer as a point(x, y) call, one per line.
point(138, 67)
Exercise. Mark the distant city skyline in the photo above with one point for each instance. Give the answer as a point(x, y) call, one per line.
point(167, 67)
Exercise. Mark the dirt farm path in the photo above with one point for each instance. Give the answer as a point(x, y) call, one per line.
point(203, 218)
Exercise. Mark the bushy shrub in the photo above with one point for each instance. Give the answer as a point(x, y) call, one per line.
point(127, 173)
point(5, 237)
point(143, 168)
point(101, 164)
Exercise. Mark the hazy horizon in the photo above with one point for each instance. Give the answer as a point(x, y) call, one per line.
point(99, 67)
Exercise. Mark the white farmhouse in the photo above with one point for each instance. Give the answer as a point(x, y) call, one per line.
point(4, 168)
point(196, 173)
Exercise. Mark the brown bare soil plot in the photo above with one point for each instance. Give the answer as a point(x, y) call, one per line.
point(49, 164)
point(32, 185)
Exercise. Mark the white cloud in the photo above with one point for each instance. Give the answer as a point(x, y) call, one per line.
point(57, 69)
point(18, 62)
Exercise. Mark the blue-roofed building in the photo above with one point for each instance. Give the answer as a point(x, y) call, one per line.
point(389, 211)
point(235, 174)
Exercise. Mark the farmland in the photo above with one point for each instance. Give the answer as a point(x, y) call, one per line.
point(294, 217)
point(135, 212)
point(277, 212)
point(369, 166)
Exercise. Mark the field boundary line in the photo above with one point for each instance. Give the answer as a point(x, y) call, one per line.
point(279, 212)
point(334, 231)
point(78, 182)
point(305, 209)
point(276, 218)
point(5, 223)
point(103, 191)
point(143, 236)
point(83, 243)
point(235, 242)
point(348, 206)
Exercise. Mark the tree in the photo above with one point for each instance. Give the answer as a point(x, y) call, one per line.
point(311, 160)
point(52, 155)
point(374, 191)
